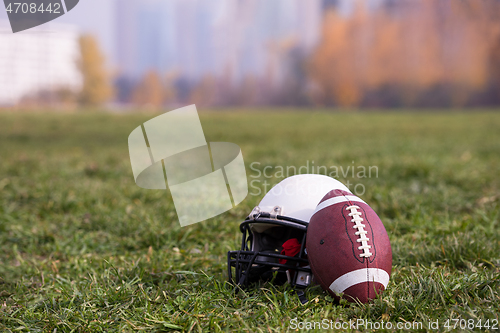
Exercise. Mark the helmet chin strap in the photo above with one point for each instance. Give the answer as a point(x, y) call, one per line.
point(302, 296)
point(243, 278)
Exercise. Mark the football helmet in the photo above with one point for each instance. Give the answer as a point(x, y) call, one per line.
point(274, 233)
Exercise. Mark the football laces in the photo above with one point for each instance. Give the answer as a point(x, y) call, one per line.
point(355, 214)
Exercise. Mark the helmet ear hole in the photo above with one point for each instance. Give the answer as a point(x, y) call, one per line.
point(276, 232)
point(273, 238)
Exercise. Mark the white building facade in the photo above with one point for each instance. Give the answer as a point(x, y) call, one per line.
point(40, 59)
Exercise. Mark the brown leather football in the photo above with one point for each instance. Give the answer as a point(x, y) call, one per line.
point(348, 248)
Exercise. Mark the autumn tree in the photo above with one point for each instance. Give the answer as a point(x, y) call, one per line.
point(149, 92)
point(205, 92)
point(96, 88)
point(495, 70)
point(333, 67)
point(169, 89)
point(248, 92)
point(408, 49)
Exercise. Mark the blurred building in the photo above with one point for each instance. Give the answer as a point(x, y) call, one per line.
point(218, 37)
point(42, 59)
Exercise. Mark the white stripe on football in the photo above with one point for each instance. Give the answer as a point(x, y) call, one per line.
point(360, 276)
point(336, 200)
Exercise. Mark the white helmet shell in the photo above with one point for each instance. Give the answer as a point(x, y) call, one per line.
point(297, 196)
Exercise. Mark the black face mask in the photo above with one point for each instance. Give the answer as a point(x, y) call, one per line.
point(261, 258)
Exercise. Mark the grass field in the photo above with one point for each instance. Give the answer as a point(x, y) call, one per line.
point(83, 249)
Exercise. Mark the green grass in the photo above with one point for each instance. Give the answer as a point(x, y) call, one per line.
point(83, 249)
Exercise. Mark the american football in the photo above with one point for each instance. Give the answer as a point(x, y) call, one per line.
point(348, 247)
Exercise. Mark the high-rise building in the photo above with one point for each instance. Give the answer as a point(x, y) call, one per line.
point(219, 37)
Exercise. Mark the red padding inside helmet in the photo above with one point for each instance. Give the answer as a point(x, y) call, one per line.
point(290, 248)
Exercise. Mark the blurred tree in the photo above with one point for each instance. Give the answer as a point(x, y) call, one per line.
point(124, 86)
point(404, 53)
point(248, 91)
point(149, 92)
point(169, 89)
point(205, 93)
point(333, 66)
point(97, 87)
point(495, 71)
point(59, 97)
